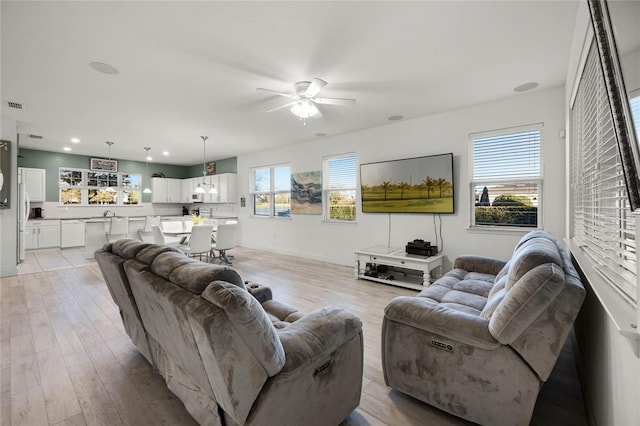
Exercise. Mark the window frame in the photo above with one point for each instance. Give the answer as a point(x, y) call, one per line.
point(271, 193)
point(326, 191)
point(85, 189)
point(537, 180)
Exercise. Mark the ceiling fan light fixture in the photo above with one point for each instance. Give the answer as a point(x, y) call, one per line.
point(304, 108)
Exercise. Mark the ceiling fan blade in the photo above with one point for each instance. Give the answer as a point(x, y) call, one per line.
point(334, 101)
point(286, 95)
point(288, 104)
point(315, 87)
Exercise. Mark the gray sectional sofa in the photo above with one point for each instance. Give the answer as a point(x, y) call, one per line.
point(231, 353)
point(480, 342)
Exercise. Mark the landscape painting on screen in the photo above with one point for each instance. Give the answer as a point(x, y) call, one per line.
point(411, 185)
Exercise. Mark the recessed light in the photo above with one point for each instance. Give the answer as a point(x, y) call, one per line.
point(104, 68)
point(321, 135)
point(66, 148)
point(395, 117)
point(75, 140)
point(165, 152)
point(526, 87)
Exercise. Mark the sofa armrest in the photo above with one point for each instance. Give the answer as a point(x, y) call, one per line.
point(319, 332)
point(485, 265)
point(427, 315)
point(260, 292)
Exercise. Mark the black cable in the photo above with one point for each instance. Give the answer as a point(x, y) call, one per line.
point(435, 231)
point(441, 239)
point(389, 236)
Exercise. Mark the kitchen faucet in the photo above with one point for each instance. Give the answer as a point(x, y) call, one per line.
point(106, 212)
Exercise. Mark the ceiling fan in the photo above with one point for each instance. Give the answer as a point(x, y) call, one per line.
point(303, 104)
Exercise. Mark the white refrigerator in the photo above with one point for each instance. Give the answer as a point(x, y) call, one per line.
point(24, 206)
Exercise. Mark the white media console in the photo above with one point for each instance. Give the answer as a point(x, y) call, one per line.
point(393, 266)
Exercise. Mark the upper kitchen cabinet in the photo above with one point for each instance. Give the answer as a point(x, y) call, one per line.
point(166, 190)
point(225, 185)
point(34, 181)
point(227, 188)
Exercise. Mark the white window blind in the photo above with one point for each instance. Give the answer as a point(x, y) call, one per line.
point(507, 156)
point(341, 173)
point(602, 221)
point(635, 113)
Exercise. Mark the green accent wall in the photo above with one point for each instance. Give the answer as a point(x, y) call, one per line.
point(227, 165)
point(52, 161)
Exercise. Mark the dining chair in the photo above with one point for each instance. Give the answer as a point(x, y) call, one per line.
point(118, 228)
point(200, 241)
point(146, 234)
point(225, 240)
point(159, 238)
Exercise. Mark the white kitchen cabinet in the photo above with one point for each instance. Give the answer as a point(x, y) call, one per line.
point(226, 187)
point(35, 183)
point(40, 234)
point(186, 188)
point(166, 190)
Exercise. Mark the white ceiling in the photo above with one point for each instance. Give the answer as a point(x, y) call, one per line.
point(192, 68)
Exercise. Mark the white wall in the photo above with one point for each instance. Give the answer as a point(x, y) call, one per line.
point(308, 236)
point(609, 371)
point(8, 217)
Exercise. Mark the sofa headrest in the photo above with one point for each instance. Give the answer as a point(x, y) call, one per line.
point(191, 274)
point(531, 235)
point(250, 321)
point(126, 248)
point(149, 253)
point(532, 252)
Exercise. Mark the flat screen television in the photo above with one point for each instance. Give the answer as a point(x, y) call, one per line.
point(410, 185)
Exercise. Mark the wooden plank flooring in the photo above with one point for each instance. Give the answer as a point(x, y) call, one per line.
point(66, 360)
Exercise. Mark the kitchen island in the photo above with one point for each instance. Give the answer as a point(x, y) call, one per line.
point(96, 232)
point(96, 228)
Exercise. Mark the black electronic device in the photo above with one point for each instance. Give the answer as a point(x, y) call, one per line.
point(421, 248)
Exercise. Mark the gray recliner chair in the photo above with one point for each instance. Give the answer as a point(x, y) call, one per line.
point(480, 342)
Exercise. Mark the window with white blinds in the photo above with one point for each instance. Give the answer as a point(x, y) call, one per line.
point(603, 225)
point(506, 178)
point(340, 188)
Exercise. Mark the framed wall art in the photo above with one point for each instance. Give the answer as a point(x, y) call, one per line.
point(101, 164)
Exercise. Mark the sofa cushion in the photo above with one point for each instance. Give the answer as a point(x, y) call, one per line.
point(525, 301)
point(461, 290)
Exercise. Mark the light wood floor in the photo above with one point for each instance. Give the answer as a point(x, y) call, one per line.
point(66, 360)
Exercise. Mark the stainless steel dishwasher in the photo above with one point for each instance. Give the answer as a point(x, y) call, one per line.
point(72, 233)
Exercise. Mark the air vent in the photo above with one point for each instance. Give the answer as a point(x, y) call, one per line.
point(14, 105)
point(35, 136)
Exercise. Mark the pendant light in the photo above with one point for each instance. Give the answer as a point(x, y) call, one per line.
point(109, 188)
point(147, 190)
point(200, 189)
